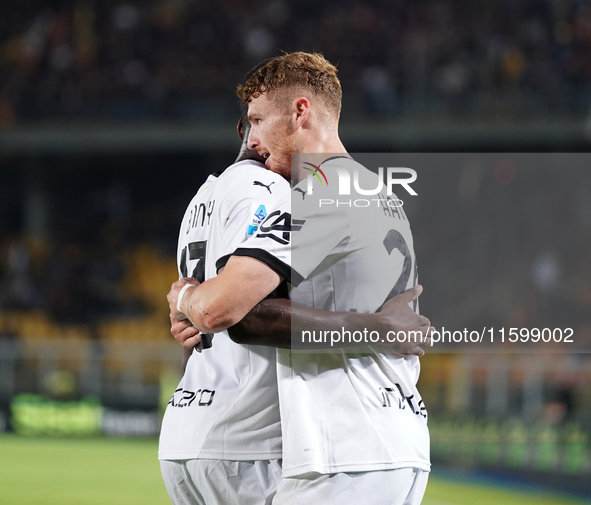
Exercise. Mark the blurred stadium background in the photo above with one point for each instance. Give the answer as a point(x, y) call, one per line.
point(113, 112)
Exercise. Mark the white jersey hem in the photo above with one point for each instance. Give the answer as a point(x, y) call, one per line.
point(353, 467)
point(224, 456)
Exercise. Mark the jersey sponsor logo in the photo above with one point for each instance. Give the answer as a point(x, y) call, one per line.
point(278, 227)
point(259, 215)
point(395, 397)
point(259, 183)
point(296, 224)
point(185, 398)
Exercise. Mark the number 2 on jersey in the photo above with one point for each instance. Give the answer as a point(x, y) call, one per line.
point(196, 252)
point(395, 240)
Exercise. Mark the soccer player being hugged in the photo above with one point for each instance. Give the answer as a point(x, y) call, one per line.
point(353, 424)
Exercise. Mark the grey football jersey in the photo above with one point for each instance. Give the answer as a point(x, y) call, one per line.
point(350, 410)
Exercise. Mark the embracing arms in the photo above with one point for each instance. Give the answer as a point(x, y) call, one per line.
point(233, 302)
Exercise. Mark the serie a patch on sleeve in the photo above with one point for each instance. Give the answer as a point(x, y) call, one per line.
point(259, 215)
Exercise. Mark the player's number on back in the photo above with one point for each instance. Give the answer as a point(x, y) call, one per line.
point(195, 251)
point(395, 240)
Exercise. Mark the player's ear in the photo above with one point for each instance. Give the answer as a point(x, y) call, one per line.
point(301, 110)
point(240, 129)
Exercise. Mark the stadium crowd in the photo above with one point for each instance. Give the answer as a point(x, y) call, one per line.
point(73, 280)
point(180, 60)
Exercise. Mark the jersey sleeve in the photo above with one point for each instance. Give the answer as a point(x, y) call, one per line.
point(253, 196)
point(295, 244)
point(271, 242)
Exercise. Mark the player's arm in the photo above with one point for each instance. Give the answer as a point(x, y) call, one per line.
point(224, 300)
point(275, 322)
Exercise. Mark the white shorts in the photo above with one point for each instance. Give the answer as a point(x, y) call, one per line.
point(214, 482)
point(404, 486)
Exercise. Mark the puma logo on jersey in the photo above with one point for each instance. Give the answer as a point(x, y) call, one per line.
point(258, 183)
point(302, 192)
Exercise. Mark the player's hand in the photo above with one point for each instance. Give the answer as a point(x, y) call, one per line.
point(184, 331)
point(397, 316)
point(173, 296)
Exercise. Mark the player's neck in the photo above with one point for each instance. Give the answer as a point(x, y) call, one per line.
point(322, 142)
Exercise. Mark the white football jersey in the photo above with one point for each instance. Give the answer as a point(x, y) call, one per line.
point(351, 409)
point(226, 405)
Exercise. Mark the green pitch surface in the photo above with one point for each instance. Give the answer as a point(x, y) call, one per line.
point(101, 471)
point(449, 492)
point(107, 471)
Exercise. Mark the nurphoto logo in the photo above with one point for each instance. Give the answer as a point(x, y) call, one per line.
point(344, 177)
point(315, 170)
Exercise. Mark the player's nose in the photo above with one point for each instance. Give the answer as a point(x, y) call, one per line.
point(252, 141)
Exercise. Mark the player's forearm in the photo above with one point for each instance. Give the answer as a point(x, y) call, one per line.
point(274, 322)
point(224, 300)
point(269, 324)
point(205, 307)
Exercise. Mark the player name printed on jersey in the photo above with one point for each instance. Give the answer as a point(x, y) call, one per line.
point(355, 409)
point(226, 405)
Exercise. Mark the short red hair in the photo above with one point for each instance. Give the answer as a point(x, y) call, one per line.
point(308, 72)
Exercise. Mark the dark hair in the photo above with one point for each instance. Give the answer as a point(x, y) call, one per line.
point(243, 106)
